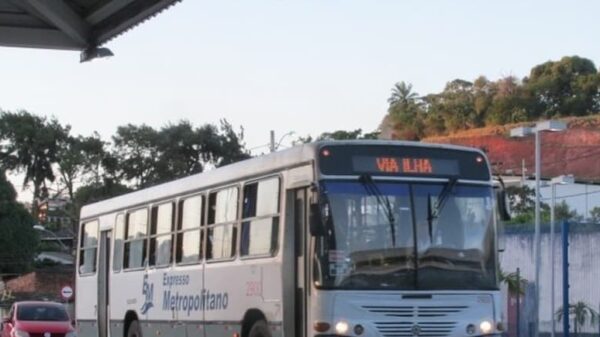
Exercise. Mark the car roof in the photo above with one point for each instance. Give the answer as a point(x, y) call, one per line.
point(46, 303)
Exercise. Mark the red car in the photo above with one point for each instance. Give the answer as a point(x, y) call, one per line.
point(37, 319)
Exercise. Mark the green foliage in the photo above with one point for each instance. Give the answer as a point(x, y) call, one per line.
point(347, 135)
point(30, 144)
point(515, 284)
point(406, 111)
point(18, 239)
point(581, 313)
point(44, 150)
point(98, 191)
point(338, 135)
point(522, 203)
point(79, 156)
point(521, 198)
point(569, 87)
point(80, 159)
point(146, 156)
point(562, 211)
point(595, 214)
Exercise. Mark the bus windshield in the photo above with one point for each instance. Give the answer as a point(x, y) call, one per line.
point(406, 236)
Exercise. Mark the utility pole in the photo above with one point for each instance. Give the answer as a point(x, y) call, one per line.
point(518, 302)
point(565, 267)
point(272, 142)
point(523, 169)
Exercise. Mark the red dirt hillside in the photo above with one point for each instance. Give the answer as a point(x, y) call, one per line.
point(574, 151)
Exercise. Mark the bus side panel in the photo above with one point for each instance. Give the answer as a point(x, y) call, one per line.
point(159, 297)
point(245, 284)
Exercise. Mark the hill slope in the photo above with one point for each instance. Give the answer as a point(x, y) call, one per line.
point(574, 151)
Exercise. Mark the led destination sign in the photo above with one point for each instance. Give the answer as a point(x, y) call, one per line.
point(425, 166)
point(402, 160)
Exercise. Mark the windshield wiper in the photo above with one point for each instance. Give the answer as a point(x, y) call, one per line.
point(439, 205)
point(367, 181)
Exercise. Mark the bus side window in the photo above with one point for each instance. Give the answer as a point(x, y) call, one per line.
point(136, 230)
point(222, 214)
point(260, 218)
point(190, 235)
point(118, 245)
point(161, 234)
point(89, 245)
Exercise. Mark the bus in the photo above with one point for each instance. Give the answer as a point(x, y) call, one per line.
point(333, 238)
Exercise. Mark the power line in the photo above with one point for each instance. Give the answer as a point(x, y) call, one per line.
point(258, 147)
point(553, 163)
point(573, 195)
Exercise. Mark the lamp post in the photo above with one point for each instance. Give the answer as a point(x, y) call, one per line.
point(549, 125)
point(560, 180)
point(274, 146)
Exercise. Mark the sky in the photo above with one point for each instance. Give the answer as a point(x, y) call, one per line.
point(304, 66)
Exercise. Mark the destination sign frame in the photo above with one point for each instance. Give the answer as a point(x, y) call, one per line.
point(401, 160)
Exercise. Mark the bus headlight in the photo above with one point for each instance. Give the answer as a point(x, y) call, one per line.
point(485, 327)
point(341, 327)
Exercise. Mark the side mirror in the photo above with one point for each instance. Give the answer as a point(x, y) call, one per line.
point(315, 221)
point(6, 320)
point(503, 205)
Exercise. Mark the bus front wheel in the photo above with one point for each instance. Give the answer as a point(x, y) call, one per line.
point(134, 329)
point(260, 329)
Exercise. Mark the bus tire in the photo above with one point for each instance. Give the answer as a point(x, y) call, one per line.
point(260, 329)
point(134, 329)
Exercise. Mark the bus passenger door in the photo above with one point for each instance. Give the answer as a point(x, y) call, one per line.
point(301, 263)
point(103, 283)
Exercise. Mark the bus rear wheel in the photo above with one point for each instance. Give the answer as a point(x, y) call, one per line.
point(134, 329)
point(260, 329)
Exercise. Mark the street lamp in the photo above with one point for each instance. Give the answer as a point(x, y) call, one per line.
point(560, 180)
point(550, 125)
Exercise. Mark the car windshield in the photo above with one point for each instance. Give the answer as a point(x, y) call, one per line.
point(396, 235)
point(41, 312)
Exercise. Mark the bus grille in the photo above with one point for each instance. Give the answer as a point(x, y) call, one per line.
point(407, 329)
point(419, 311)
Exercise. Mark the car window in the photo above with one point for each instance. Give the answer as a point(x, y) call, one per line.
point(34, 312)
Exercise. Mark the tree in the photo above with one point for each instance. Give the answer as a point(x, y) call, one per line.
point(79, 156)
point(405, 112)
point(509, 102)
point(30, 144)
point(98, 191)
point(402, 94)
point(135, 148)
point(338, 135)
point(568, 87)
point(581, 313)
point(521, 198)
point(146, 157)
point(18, 239)
point(515, 284)
point(457, 106)
point(231, 145)
point(347, 135)
point(595, 214)
point(562, 211)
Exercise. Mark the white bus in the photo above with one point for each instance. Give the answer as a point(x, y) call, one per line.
point(349, 238)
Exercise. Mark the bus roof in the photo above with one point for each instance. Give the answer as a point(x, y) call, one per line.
point(255, 166)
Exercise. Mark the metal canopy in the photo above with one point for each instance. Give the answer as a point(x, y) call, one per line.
point(71, 24)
